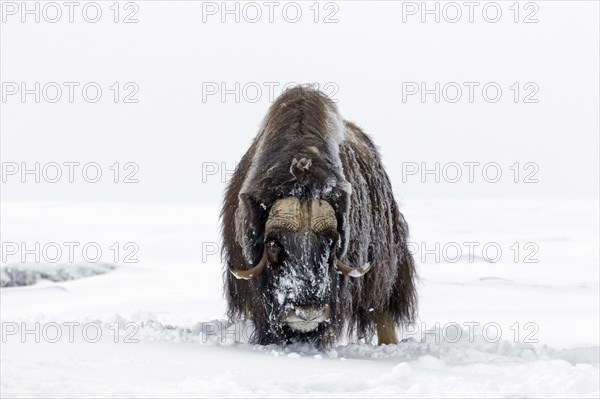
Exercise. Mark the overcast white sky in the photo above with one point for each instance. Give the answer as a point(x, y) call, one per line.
point(172, 133)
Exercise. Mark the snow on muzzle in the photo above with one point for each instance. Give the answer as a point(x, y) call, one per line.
point(300, 291)
point(306, 318)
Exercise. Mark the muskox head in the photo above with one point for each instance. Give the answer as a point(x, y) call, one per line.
point(299, 265)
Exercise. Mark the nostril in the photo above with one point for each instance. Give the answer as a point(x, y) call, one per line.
point(302, 314)
point(306, 318)
point(309, 314)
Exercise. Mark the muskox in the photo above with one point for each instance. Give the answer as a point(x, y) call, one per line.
point(314, 244)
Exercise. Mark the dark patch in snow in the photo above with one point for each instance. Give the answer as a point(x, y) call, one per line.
point(24, 274)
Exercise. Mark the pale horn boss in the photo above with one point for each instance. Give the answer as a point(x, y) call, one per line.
point(314, 244)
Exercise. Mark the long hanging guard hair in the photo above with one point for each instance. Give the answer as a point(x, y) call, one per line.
point(304, 149)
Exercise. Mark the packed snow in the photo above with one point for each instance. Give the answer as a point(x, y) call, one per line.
point(156, 328)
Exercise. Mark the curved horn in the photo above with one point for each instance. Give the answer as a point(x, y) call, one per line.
point(322, 217)
point(346, 270)
point(250, 273)
point(286, 214)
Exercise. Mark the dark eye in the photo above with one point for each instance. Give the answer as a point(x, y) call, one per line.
point(333, 249)
point(273, 251)
point(334, 239)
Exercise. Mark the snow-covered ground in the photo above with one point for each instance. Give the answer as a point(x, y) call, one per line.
point(538, 331)
point(203, 79)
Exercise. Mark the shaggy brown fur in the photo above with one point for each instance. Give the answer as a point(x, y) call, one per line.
point(304, 149)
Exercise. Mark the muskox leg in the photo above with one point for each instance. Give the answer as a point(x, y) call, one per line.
point(386, 329)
